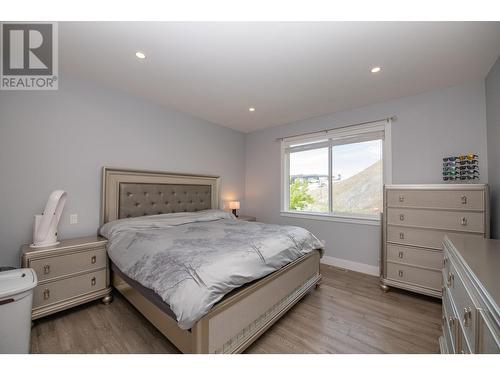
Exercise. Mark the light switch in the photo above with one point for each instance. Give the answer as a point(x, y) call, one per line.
point(73, 219)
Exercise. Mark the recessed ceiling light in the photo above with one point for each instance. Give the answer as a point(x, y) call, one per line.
point(376, 69)
point(140, 55)
point(251, 109)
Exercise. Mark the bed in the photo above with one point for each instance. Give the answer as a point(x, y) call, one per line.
point(243, 314)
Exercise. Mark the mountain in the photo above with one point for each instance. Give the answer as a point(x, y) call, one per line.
point(361, 193)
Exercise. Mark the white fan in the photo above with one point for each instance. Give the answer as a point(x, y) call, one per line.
point(45, 226)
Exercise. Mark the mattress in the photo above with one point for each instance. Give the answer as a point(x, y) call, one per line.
point(147, 293)
point(185, 263)
point(154, 298)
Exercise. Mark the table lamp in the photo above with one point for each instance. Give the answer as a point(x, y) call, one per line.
point(234, 205)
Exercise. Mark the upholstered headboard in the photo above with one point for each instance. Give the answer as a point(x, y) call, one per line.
point(132, 193)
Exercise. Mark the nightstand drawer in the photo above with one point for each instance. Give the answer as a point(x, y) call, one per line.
point(72, 287)
point(63, 265)
point(246, 218)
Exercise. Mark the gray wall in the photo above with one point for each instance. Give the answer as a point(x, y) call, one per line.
point(62, 139)
point(429, 126)
point(493, 121)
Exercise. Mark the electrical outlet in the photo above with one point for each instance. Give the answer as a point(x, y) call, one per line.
point(73, 219)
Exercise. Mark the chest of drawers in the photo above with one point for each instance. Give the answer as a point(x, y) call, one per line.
point(471, 292)
point(416, 219)
point(70, 273)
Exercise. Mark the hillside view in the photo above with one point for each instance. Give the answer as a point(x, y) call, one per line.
point(359, 194)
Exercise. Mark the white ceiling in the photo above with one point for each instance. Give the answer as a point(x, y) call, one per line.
point(287, 71)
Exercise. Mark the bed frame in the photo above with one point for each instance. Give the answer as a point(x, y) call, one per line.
point(238, 319)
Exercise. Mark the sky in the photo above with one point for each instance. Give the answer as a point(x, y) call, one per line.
point(348, 159)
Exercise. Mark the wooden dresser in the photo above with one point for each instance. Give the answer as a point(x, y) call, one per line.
point(70, 273)
point(471, 295)
point(416, 219)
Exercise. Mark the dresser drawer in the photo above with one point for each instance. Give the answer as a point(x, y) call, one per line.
point(413, 275)
point(447, 220)
point(488, 335)
point(63, 265)
point(415, 256)
point(462, 346)
point(466, 309)
point(446, 266)
point(444, 199)
point(429, 238)
point(56, 291)
point(449, 322)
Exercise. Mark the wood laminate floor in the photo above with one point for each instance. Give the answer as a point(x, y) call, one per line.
point(347, 314)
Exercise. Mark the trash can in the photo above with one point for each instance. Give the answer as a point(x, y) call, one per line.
point(16, 298)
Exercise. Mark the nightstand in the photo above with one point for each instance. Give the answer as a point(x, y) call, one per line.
point(246, 218)
point(69, 274)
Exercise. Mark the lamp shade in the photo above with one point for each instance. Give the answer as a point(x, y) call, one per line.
point(234, 205)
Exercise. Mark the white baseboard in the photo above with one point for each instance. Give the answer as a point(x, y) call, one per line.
point(350, 265)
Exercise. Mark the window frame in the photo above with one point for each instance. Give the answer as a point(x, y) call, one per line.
point(336, 135)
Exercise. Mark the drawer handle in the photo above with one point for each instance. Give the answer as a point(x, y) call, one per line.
point(443, 320)
point(6, 301)
point(445, 260)
point(451, 278)
point(401, 217)
point(46, 269)
point(401, 198)
point(400, 255)
point(463, 221)
point(93, 281)
point(400, 273)
point(467, 316)
point(451, 321)
point(401, 236)
point(93, 259)
point(464, 199)
point(46, 294)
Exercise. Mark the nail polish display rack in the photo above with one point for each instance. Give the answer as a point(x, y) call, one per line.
point(461, 168)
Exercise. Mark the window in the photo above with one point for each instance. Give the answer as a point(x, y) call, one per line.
point(309, 180)
point(339, 173)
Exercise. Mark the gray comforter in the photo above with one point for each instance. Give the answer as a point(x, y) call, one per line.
point(191, 260)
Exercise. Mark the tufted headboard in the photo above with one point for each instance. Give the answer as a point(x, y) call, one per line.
point(131, 193)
